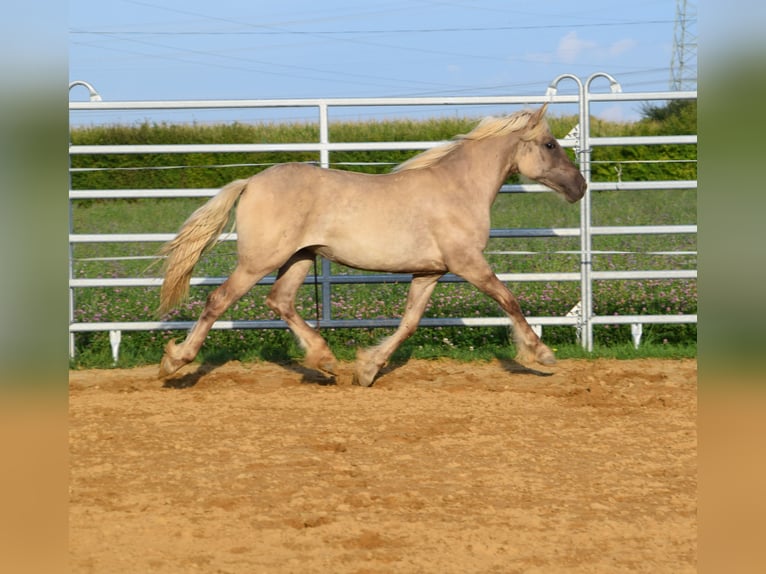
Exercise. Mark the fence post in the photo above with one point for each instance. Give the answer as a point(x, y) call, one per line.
point(583, 154)
point(93, 96)
point(586, 239)
point(71, 266)
point(586, 256)
point(324, 161)
point(115, 337)
point(636, 331)
point(324, 136)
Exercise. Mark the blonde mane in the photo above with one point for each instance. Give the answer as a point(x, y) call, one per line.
point(487, 128)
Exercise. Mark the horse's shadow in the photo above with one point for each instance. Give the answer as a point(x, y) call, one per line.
point(308, 376)
point(515, 368)
point(319, 378)
point(189, 380)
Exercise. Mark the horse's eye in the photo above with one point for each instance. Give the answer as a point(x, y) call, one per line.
point(550, 145)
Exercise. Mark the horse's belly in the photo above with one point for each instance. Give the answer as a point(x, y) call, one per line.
point(383, 257)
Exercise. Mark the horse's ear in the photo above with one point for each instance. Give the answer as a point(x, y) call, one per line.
point(539, 114)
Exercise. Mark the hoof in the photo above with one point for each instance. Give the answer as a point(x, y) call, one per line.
point(364, 374)
point(170, 364)
point(325, 363)
point(547, 360)
point(545, 356)
point(365, 369)
point(329, 367)
point(542, 355)
point(361, 380)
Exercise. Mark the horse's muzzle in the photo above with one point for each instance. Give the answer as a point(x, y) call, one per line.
point(576, 192)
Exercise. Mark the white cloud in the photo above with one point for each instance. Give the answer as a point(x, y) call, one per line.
point(573, 49)
point(571, 46)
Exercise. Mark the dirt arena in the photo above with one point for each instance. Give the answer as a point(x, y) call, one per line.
point(443, 467)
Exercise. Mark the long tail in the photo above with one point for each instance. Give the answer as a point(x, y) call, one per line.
point(198, 233)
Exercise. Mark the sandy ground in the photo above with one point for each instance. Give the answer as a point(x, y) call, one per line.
point(587, 466)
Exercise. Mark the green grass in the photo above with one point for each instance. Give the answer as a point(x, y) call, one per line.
point(280, 347)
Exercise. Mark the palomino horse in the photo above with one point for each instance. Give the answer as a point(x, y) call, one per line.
point(429, 216)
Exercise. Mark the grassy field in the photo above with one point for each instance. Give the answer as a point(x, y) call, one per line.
point(349, 301)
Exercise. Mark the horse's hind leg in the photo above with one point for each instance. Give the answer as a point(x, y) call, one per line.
point(370, 361)
point(281, 299)
point(178, 355)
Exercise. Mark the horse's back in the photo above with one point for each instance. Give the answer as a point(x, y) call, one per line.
point(296, 183)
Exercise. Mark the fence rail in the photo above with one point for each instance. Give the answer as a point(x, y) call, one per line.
point(582, 318)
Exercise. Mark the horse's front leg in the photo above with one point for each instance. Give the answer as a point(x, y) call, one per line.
point(370, 361)
point(529, 347)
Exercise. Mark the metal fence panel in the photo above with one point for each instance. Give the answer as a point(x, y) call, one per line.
point(580, 139)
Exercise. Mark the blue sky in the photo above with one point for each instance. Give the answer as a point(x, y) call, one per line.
point(233, 49)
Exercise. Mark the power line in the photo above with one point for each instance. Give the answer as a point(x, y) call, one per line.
point(281, 31)
point(189, 47)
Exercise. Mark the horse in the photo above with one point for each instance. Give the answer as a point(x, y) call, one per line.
point(428, 216)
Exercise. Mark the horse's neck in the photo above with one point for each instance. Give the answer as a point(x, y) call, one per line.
point(486, 164)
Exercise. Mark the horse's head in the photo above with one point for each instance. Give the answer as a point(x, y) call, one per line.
point(541, 158)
